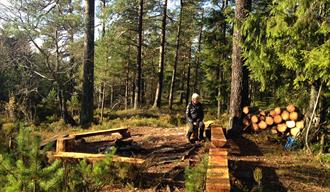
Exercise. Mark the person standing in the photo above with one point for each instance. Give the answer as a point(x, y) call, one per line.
point(195, 116)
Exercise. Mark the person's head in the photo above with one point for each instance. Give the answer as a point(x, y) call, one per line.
point(195, 98)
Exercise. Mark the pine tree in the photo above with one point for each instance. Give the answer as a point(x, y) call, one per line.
point(87, 104)
point(26, 169)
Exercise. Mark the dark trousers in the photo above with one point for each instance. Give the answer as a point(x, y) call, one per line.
point(195, 129)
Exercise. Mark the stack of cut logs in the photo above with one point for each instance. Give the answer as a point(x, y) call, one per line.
point(283, 121)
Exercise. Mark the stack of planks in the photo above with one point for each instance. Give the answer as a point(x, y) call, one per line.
point(283, 121)
point(217, 178)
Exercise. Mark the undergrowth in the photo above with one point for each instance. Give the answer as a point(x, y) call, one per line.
point(195, 176)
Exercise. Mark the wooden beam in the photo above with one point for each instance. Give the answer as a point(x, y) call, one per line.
point(122, 131)
point(97, 157)
point(217, 178)
point(218, 138)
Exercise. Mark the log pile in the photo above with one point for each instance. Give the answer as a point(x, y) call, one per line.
point(282, 121)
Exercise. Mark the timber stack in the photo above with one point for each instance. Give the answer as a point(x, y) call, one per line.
point(282, 121)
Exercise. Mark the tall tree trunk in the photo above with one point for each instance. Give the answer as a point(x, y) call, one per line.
point(176, 58)
point(111, 95)
point(71, 83)
point(86, 113)
point(60, 87)
point(246, 93)
point(188, 76)
point(199, 53)
point(220, 73)
point(127, 77)
point(220, 79)
point(139, 59)
point(235, 111)
point(182, 83)
point(103, 100)
point(159, 89)
point(102, 91)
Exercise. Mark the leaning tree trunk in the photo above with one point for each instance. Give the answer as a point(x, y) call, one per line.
point(159, 89)
point(138, 75)
point(235, 112)
point(313, 99)
point(177, 48)
point(86, 113)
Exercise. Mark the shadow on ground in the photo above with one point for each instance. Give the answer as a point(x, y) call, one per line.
point(242, 169)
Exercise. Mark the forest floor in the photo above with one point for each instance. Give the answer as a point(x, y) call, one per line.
point(167, 154)
point(281, 170)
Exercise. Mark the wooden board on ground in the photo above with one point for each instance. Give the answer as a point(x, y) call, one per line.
point(122, 131)
point(96, 157)
point(217, 178)
point(218, 138)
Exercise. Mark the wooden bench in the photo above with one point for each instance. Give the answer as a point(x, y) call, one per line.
point(217, 178)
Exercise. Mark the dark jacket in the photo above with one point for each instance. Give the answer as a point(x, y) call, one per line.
point(194, 112)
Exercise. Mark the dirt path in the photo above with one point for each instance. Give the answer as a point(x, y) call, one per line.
point(282, 170)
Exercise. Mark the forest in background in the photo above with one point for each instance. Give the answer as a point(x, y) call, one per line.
point(76, 62)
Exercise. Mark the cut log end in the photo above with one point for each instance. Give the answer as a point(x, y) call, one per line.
point(294, 116)
point(291, 108)
point(262, 125)
point(281, 127)
point(254, 119)
point(246, 110)
point(269, 120)
point(278, 119)
point(278, 110)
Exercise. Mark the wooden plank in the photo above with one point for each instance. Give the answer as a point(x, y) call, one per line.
point(122, 131)
point(95, 157)
point(218, 138)
point(217, 177)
